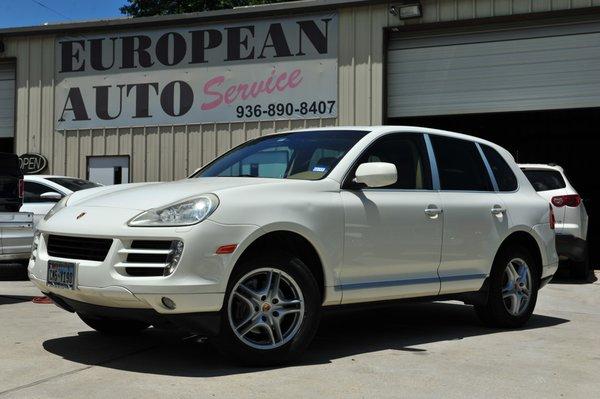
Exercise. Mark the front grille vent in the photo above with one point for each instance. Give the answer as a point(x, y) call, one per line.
point(80, 248)
point(147, 258)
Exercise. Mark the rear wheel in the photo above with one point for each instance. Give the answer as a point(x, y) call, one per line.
point(580, 270)
point(113, 326)
point(271, 311)
point(513, 287)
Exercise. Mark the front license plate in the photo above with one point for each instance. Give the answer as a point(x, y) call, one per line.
point(62, 275)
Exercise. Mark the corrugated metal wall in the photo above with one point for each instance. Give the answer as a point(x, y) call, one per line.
point(172, 152)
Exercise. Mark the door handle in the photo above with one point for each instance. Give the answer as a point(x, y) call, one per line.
point(498, 210)
point(433, 211)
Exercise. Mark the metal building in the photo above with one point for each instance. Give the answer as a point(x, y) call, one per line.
point(149, 98)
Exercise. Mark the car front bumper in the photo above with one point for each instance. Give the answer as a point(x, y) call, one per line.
point(198, 283)
point(204, 323)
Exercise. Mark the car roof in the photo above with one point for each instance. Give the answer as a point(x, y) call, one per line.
point(34, 177)
point(541, 166)
point(381, 129)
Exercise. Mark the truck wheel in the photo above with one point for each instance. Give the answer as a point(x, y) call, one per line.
point(271, 311)
point(513, 288)
point(113, 326)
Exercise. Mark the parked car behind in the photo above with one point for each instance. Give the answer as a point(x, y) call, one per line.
point(252, 247)
point(551, 183)
point(16, 228)
point(42, 192)
point(11, 183)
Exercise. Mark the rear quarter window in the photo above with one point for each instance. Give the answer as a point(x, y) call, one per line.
point(505, 178)
point(545, 180)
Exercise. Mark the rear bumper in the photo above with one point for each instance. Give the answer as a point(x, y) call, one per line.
point(203, 323)
point(571, 247)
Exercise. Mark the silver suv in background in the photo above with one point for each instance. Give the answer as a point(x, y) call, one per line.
point(551, 183)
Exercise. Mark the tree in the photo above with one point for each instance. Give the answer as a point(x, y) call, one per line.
point(146, 8)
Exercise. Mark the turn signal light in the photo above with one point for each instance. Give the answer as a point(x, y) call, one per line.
point(566, 200)
point(226, 249)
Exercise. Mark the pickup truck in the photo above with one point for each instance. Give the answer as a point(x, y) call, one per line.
point(16, 228)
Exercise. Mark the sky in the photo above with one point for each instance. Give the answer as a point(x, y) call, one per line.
point(37, 12)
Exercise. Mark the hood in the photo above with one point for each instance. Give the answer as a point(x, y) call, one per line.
point(144, 196)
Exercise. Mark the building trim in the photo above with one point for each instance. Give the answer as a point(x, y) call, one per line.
point(239, 13)
point(534, 19)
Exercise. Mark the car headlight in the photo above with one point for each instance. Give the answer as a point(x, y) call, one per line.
point(57, 207)
point(184, 213)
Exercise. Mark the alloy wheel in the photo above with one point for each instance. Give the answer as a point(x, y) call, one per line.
point(266, 308)
point(516, 287)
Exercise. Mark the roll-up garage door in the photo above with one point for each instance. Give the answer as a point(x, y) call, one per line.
point(500, 70)
point(7, 100)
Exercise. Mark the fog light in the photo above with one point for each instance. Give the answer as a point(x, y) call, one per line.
point(168, 303)
point(174, 257)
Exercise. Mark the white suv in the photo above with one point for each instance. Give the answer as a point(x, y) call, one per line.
point(251, 248)
point(552, 184)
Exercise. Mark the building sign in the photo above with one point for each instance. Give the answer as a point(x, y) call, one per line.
point(253, 70)
point(32, 163)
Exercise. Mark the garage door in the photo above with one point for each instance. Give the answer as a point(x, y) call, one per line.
point(505, 69)
point(7, 100)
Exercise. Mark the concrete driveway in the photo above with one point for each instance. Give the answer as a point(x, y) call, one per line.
point(414, 350)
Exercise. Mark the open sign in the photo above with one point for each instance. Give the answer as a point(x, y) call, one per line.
point(32, 163)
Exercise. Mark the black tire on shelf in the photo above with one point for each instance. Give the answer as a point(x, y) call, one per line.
point(232, 346)
point(110, 326)
point(494, 312)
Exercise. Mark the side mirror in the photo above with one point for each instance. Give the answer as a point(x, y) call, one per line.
point(51, 196)
point(376, 174)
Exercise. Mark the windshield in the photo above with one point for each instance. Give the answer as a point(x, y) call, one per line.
point(545, 180)
point(303, 155)
point(73, 184)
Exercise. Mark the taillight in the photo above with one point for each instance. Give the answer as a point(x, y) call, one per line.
point(566, 200)
point(551, 218)
point(21, 188)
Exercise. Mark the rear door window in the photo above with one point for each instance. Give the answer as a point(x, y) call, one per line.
point(545, 180)
point(460, 166)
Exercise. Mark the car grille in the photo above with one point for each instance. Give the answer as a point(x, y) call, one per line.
point(147, 258)
point(78, 247)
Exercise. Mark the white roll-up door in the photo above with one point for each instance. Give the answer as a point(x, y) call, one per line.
point(7, 100)
point(501, 70)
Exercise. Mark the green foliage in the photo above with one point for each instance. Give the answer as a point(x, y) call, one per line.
point(146, 8)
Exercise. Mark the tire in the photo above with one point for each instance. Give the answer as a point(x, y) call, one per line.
point(580, 270)
point(495, 312)
point(254, 308)
point(14, 271)
point(113, 326)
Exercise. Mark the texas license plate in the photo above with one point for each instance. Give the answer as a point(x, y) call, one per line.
point(62, 275)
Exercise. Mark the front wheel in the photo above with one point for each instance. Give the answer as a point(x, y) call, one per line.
point(513, 288)
point(113, 326)
point(271, 311)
